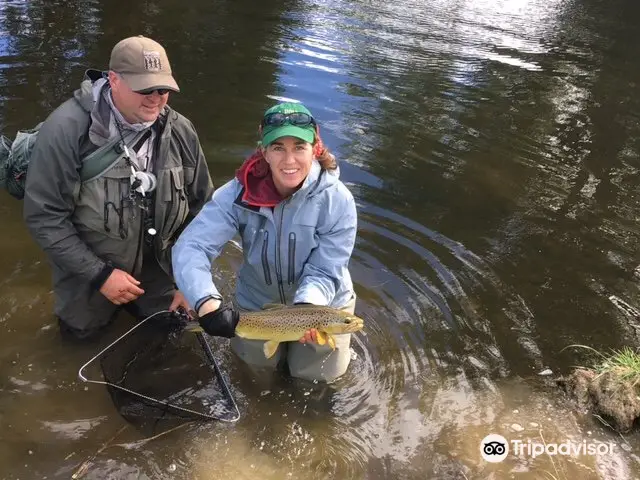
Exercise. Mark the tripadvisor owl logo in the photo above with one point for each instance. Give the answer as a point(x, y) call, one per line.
point(494, 448)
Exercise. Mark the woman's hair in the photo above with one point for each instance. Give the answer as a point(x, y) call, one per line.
point(326, 159)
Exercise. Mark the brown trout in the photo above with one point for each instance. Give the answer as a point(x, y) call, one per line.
point(277, 323)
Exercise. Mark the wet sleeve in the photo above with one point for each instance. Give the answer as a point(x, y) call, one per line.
point(328, 263)
point(201, 243)
point(52, 176)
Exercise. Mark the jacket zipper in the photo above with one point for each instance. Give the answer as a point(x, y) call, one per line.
point(278, 259)
point(140, 247)
point(265, 262)
point(161, 142)
point(292, 257)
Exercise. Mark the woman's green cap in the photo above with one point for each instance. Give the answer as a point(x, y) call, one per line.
point(271, 133)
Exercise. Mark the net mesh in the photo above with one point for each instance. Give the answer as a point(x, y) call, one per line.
point(160, 376)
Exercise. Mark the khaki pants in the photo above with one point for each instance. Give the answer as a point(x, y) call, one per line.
point(305, 360)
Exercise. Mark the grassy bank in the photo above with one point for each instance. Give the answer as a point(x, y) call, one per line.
point(609, 386)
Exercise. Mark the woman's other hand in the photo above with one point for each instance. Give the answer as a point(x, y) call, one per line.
point(310, 336)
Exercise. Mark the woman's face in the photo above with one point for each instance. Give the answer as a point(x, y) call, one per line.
point(290, 160)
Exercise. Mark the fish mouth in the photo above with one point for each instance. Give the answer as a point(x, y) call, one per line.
point(353, 325)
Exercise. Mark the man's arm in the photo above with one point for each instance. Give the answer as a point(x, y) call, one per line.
point(199, 183)
point(52, 176)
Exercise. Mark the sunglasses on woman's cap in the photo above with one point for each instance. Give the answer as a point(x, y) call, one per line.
point(278, 119)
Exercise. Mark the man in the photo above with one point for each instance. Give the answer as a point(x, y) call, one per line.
point(107, 224)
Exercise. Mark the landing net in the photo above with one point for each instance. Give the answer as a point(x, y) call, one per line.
point(160, 375)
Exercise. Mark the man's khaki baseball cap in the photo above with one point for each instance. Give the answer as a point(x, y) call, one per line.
point(143, 64)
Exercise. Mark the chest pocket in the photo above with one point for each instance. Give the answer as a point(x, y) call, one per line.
point(173, 207)
point(303, 238)
point(104, 205)
point(309, 216)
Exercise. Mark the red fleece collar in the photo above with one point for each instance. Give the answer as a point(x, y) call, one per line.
point(255, 176)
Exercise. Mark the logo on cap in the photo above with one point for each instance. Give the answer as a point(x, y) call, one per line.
point(152, 61)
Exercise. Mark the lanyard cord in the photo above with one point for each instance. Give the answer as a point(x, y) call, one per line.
point(145, 138)
point(148, 136)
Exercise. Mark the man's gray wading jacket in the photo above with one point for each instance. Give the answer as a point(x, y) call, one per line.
point(79, 225)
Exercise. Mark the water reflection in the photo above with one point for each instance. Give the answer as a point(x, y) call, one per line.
point(50, 40)
point(492, 151)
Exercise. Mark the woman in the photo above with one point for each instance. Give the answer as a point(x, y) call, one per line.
point(298, 224)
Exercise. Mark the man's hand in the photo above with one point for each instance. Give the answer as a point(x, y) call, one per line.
point(179, 301)
point(121, 288)
point(310, 336)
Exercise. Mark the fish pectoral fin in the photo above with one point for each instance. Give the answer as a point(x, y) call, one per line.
point(269, 348)
point(322, 338)
point(273, 306)
point(331, 341)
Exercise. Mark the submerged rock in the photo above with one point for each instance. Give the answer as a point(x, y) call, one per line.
point(607, 394)
point(616, 399)
point(576, 386)
point(516, 427)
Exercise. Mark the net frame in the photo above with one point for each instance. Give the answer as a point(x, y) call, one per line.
point(181, 320)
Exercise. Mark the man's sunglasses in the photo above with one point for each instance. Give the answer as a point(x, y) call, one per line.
point(279, 119)
point(149, 91)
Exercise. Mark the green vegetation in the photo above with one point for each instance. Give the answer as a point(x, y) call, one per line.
point(624, 363)
point(609, 387)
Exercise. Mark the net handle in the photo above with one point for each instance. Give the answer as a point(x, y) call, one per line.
point(210, 358)
point(216, 368)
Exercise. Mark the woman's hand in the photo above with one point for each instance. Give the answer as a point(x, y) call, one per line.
point(220, 322)
point(209, 306)
point(310, 336)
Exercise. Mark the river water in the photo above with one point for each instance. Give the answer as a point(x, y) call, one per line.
point(493, 151)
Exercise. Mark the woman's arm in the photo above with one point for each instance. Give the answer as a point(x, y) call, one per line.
point(328, 263)
point(200, 244)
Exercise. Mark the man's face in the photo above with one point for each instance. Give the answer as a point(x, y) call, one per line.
point(136, 107)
